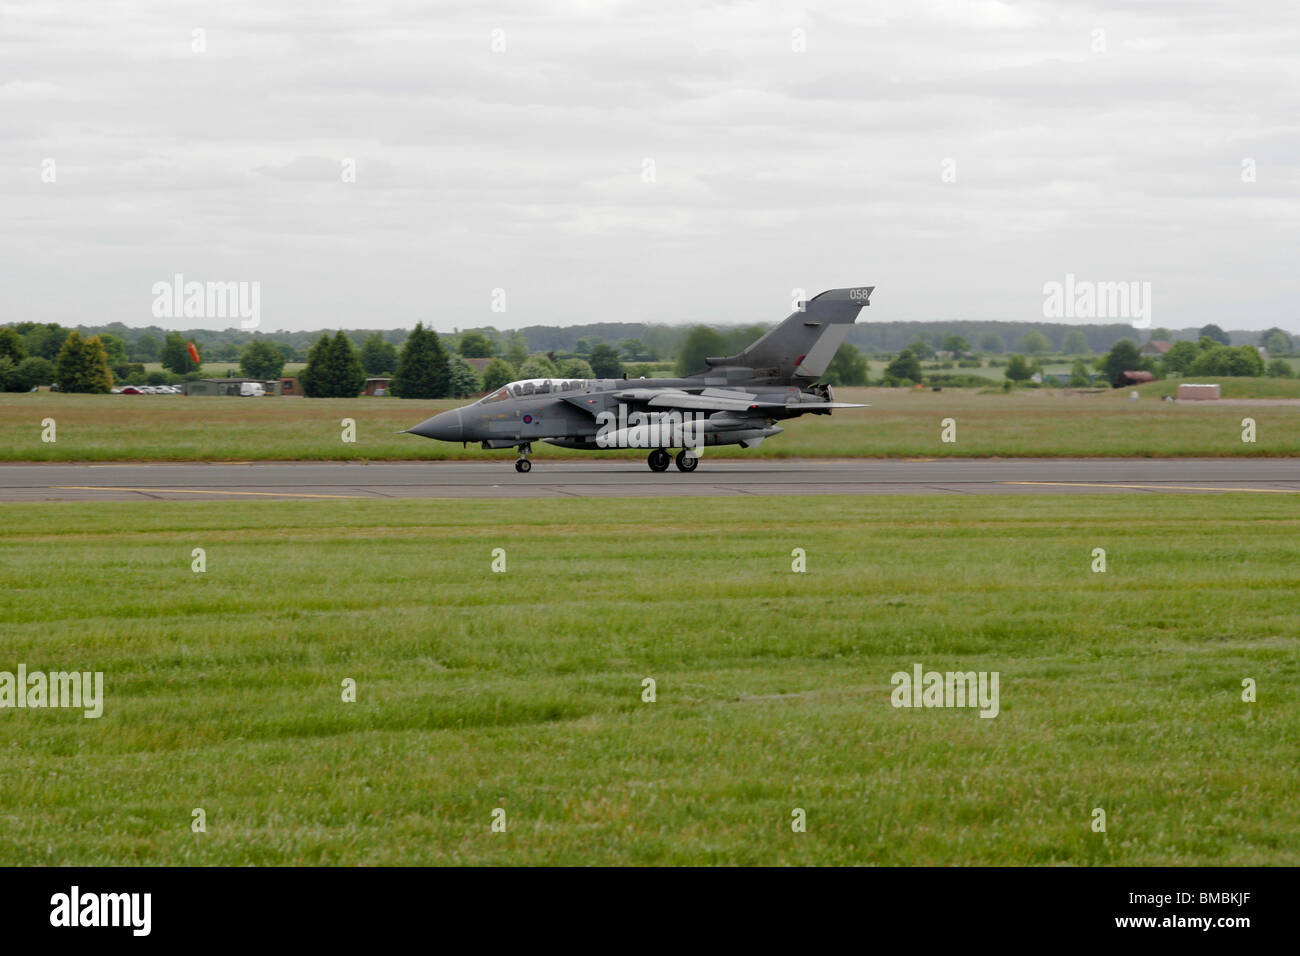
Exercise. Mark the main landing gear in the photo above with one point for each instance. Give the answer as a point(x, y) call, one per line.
point(523, 465)
point(659, 460)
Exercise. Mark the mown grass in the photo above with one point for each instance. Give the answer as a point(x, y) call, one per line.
point(899, 423)
point(1229, 387)
point(522, 690)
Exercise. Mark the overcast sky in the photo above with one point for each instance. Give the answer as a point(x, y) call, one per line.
point(1112, 141)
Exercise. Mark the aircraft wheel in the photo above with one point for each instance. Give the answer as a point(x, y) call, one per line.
point(523, 465)
point(659, 460)
point(686, 461)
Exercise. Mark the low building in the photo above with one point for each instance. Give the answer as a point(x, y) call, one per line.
point(1134, 378)
point(290, 386)
point(376, 386)
point(1191, 392)
point(227, 386)
point(1156, 347)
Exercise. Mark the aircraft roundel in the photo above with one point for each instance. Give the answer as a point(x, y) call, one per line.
point(528, 419)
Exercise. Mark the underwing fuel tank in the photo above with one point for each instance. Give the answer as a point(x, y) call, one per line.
point(681, 436)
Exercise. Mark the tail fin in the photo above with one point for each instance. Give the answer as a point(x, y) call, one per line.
point(802, 346)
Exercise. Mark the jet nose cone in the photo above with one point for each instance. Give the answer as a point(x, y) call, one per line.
point(445, 426)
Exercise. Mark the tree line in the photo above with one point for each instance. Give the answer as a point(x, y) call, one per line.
point(428, 364)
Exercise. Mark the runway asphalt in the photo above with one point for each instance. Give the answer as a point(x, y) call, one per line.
point(632, 479)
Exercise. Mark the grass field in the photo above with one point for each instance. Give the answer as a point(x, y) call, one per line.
point(900, 423)
point(1230, 387)
point(996, 374)
point(522, 690)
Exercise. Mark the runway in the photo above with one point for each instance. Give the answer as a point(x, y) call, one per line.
point(632, 479)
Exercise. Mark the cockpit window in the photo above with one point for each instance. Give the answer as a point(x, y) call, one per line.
point(539, 386)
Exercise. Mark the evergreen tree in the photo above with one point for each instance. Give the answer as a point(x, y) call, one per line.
point(347, 375)
point(312, 377)
point(333, 369)
point(1123, 357)
point(463, 381)
point(422, 368)
point(261, 359)
point(377, 356)
point(83, 365)
point(498, 372)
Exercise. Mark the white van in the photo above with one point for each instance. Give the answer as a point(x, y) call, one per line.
point(251, 389)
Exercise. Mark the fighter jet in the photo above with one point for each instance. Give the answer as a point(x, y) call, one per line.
point(735, 400)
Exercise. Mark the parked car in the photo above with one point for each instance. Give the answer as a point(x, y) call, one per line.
point(131, 390)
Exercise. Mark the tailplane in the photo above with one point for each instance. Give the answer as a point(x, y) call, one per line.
point(801, 347)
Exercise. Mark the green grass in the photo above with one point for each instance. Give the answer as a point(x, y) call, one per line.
point(522, 690)
point(899, 423)
point(1052, 365)
point(1229, 387)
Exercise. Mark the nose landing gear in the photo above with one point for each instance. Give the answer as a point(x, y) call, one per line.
point(523, 465)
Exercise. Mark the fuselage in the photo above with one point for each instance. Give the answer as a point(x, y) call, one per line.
point(734, 400)
point(613, 413)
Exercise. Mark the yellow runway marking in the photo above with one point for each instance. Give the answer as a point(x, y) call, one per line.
point(200, 491)
point(1109, 484)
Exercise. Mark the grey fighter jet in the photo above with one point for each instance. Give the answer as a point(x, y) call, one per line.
point(736, 400)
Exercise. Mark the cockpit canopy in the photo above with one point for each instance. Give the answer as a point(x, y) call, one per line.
point(537, 386)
